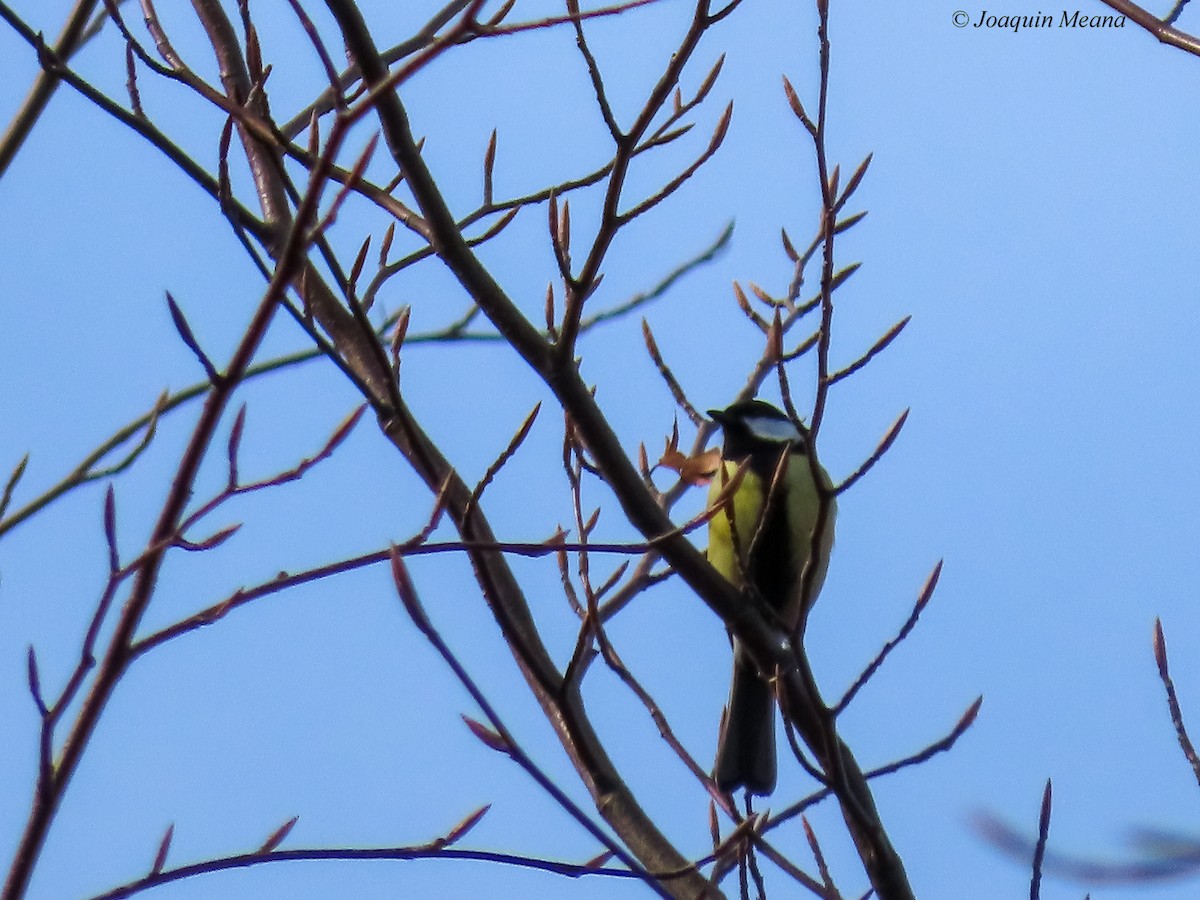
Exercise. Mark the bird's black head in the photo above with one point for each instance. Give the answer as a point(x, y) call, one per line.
point(754, 426)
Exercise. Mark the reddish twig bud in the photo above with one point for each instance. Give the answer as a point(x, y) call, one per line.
point(386, 246)
point(235, 444)
point(278, 835)
point(492, 739)
point(35, 682)
point(189, 339)
point(110, 529)
point(489, 163)
point(208, 543)
point(459, 831)
point(164, 846)
point(793, 100)
point(359, 261)
point(855, 180)
point(788, 247)
point(11, 484)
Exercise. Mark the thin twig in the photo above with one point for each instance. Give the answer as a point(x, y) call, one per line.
point(326, 854)
point(966, 720)
point(922, 601)
point(1164, 674)
point(412, 605)
point(1039, 850)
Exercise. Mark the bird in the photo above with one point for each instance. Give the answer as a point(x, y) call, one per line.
point(763, 545)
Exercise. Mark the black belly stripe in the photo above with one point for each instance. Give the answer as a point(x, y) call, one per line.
point(771, 567)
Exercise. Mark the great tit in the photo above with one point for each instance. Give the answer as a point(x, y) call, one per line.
point(763, 547)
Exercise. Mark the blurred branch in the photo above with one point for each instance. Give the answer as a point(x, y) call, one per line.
point(668, 281)
point(1166, 856)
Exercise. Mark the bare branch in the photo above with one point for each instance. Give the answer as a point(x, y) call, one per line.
point(1171, 17)
point(940, 746)
point(744, 305)
point(677, 182)
point(415, 610)
point(432, 850)
point(117, 655)
point(135, 99)
point(1161, 29)
point(487, 30)
point(314, 37)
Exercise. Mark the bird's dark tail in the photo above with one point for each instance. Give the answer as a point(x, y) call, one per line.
point(746, 751)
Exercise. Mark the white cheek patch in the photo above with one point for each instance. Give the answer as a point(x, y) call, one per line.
point(779, 431)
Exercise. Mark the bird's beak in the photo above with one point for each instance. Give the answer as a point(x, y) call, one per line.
point(719, 416)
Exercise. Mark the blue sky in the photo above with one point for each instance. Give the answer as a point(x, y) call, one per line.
point(1032, 206)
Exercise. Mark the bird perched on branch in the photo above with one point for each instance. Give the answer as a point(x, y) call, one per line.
point(765, 541)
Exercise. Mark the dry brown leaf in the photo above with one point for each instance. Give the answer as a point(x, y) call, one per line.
point(692, 469)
